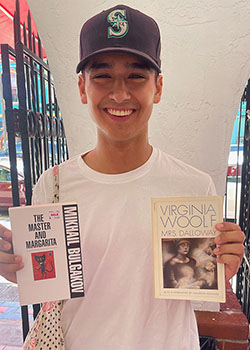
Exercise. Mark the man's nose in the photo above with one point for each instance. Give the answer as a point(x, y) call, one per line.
point(119, 92)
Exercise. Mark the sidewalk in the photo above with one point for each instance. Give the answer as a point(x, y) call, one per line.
point(10, 317)
point(11, 337)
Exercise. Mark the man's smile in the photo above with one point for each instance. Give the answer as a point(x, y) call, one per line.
point(121, 114)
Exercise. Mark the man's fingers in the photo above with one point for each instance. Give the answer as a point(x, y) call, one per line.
point(10, 277)
point(229, 259)
point(10, 268)
point(9, 265)
point(232, 264)
point(232, 248)
point(227, 226)
point(230, 237)
point(6, 258)
point(5, 239)
point(5, 246)
point(5, 233)
point(9, 262)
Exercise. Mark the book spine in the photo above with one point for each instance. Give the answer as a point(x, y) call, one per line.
point(73, 250)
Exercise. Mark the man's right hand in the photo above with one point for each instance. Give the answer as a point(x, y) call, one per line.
point(9, 262)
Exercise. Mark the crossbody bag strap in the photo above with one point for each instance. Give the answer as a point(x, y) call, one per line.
point(56, 184)
point(46, 331)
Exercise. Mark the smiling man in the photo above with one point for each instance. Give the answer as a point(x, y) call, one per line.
point(120, 90)
point(120, 81)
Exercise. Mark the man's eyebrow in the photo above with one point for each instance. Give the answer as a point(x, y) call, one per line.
point(139, 65)
point(101, 65)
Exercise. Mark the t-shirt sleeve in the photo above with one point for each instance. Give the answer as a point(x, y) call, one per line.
point(43, 190)
point(211, 188)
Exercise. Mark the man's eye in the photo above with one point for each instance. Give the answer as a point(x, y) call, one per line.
point(136, 76)
point(102, 76)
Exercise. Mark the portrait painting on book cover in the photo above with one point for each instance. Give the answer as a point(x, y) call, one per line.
point(189, 263)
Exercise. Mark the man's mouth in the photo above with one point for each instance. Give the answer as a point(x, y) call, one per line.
point(119, 112)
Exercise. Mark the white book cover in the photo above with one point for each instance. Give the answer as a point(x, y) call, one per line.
point(183, 242)
point(48, 239)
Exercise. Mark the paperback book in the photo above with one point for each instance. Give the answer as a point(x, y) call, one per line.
point(185, 266)
point(48, 239)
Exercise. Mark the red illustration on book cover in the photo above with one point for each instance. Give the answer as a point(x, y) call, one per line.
point(43, 265)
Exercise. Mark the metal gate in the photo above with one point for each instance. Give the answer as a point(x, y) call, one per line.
point(33, 121)
point(243, 276)
point(239, 176)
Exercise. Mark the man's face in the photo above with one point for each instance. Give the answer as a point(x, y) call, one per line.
point(120, 91)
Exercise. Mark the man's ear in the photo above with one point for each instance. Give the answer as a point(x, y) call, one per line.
point(81, 86)
point(158, 91)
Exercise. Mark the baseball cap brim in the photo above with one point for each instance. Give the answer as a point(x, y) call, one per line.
point(82, 63)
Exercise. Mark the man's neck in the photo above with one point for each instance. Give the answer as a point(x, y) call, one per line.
point(117, 158)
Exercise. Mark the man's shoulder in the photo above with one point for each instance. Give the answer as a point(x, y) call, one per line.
point(183, 177)
point(43, 190)
point(69, 163)
point(62, 167)
point(179, 166)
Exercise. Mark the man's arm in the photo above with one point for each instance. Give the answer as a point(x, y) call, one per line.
point(230, 248)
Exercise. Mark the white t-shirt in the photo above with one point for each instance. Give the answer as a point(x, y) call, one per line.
point(119, 310)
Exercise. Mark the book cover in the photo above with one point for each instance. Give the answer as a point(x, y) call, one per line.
point(48, 239)
point(183, 242)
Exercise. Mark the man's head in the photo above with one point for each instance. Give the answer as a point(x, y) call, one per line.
point(120, 29)
point(120, 61)
point(120, 91)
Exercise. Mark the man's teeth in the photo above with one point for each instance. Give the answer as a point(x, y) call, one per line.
point(120, 113)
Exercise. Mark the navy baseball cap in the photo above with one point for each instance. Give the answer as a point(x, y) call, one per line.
point(121, 29)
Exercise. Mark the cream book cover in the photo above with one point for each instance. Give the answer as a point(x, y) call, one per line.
point(183, 242)
point(48, 239)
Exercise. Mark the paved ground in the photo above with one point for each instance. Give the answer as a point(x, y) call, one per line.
point(10, 318)
point(11, 337)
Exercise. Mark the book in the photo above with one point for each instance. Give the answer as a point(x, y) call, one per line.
point(183, 242)
point(48, 239)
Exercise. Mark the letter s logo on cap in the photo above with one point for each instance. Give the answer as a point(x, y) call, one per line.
point(119, 24)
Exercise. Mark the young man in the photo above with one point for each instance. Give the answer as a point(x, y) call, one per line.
point(119, 80)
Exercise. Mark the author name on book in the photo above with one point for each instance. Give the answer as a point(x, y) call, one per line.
point(73, 249)
point(190, 220)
